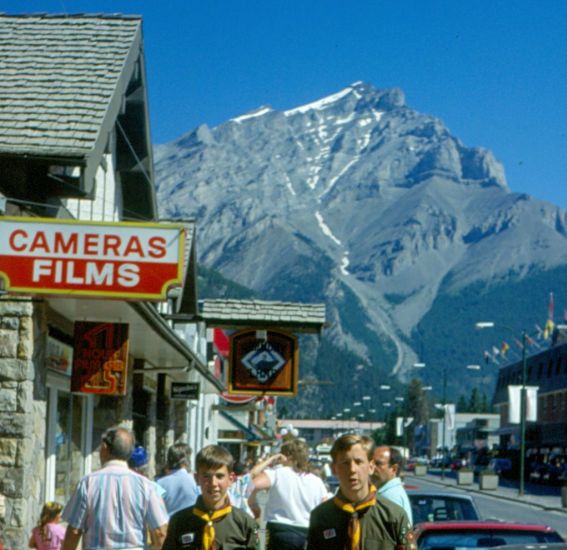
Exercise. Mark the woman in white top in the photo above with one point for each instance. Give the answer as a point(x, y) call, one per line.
point(292, 493)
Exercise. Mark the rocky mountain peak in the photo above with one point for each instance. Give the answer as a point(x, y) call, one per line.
point(359, 200)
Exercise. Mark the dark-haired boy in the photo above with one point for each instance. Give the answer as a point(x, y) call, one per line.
point(212, 522)
point(355, 518)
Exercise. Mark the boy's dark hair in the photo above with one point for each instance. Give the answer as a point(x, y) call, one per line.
point(120, 442)
point(298, 451)
point(346, 441)
point(179, 455)
point(214, 456)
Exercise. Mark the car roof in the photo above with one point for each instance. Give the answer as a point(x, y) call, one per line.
point(437, 494)
point(482, 526)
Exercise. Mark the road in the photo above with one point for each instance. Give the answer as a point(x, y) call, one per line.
point(506, 510)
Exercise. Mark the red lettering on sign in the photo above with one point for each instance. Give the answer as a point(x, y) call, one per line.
point(12, 240)
point(157, 247)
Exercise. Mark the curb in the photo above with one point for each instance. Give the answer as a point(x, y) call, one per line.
point(470, 489)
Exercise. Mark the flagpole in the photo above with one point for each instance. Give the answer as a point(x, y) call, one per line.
point(523, 414)
point(444, 421)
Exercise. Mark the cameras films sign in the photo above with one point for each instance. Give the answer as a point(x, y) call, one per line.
point(130, 261)
point(260, 366)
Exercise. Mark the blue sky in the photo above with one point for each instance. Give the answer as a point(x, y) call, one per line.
point(494, 71)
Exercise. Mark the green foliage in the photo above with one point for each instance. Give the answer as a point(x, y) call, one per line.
point(446, 337)
point(212, 284)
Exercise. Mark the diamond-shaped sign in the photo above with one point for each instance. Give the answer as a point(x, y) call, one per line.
point(263, 363)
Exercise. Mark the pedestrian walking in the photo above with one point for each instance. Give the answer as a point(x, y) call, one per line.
point(241, 488)
point(212, 522)
point(113, 507)
point(180, 487)
point(48, 534)
point(293, 491)
point(355, 518)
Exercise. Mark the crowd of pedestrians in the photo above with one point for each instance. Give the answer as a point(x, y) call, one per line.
point(216, 507)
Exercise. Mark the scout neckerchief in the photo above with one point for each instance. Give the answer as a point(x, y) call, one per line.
point(209, 519)
point(353, 510)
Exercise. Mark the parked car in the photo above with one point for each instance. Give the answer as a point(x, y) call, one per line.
point(431, 506)
point(481, 534)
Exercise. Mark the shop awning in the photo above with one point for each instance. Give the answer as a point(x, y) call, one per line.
point(250, 435)
point(151, 338)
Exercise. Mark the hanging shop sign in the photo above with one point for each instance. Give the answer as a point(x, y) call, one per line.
point(91, 259)
point(100, 358)
point(265, 365)
point(185, 390)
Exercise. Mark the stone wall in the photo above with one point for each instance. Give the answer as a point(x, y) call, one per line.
point(22, 417)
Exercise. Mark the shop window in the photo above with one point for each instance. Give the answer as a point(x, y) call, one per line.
point(65, 444)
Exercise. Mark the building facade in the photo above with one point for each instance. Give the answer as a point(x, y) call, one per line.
point(75, 146)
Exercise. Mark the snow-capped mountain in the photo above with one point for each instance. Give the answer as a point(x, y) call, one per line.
point(358, 200)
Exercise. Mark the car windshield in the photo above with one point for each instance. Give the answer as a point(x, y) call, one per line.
point(455, 540)
point(441, 508)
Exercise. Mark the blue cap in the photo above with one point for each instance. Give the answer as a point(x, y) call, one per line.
point(139, 457)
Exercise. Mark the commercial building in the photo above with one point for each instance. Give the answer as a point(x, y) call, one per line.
point(75, 147)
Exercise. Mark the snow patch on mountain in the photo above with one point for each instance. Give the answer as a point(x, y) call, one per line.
point(319, 104)
point(325, 228)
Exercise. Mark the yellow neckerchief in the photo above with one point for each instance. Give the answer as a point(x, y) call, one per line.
point(353, 510)
point(209, 519)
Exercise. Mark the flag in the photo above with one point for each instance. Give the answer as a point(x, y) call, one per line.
point(450, 416)
point(495, 351)
point(504, 348)
point(548, 330)
point(518, 343)
point(514, 403)
point(550, 306)
point(531, 403)
point(487, 357)
point(399, 426)
point(539, 334)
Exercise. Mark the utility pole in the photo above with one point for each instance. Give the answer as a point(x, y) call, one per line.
point(444, 402)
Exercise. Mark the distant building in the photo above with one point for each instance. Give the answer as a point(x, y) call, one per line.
point(316, 430)
point(548, 371)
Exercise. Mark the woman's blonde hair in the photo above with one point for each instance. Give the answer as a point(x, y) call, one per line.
point(298, 451)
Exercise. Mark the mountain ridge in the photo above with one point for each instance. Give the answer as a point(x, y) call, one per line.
point(356, 195)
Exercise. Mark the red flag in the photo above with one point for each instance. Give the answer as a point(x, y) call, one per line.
point(550, 306)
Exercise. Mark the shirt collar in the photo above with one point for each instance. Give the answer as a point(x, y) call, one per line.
point(116, 463)
point(396, 482)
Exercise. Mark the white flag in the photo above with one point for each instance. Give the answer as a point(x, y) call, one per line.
point(514, 403)
point(514, 393)
point(450, 416)
point(399, 426)
point(531, 403)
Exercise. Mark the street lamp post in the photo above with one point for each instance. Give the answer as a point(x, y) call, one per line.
point(523, 395)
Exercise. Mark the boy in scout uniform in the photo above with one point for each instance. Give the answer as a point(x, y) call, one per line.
point(355, 519)
point(212, 523)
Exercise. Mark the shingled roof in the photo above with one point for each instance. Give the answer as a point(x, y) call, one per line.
point(63, 82)
point(297, 317)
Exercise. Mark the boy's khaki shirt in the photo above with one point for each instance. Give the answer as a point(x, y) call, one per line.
point(384, 526)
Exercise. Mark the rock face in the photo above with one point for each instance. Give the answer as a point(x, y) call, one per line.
point(358, 200)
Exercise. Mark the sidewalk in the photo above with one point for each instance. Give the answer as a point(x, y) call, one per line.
point(546, 502)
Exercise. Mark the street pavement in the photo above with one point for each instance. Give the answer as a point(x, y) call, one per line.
point(546, 498)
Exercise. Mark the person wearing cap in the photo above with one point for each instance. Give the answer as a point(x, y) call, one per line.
point(114, 507)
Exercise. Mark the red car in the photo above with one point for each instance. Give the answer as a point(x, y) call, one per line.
point(480, 534)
